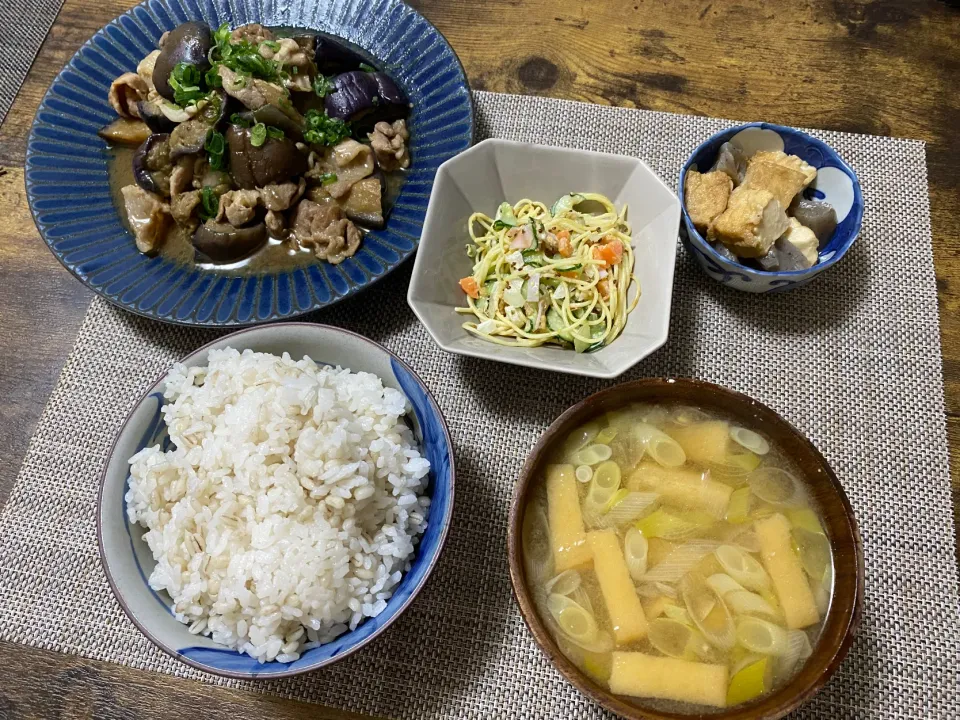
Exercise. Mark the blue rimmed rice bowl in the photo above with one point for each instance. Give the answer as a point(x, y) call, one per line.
point(128, 561)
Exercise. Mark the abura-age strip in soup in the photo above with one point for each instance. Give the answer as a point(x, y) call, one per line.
point(676, 557)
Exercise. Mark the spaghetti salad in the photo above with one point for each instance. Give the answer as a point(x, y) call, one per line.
point(550, 276)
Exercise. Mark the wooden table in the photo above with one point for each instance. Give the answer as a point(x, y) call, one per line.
point(886, 67)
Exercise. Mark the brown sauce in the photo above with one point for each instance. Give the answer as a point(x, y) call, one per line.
point(277, 255)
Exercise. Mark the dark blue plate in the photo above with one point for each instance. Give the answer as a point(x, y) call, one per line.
point(69, 194)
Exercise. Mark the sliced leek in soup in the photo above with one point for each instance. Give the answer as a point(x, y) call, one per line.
point(677, 557)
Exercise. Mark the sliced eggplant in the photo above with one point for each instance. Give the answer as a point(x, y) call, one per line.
point(151, 114)
point(254, 166)
point(222, 242)
point(274, 116)
point(332, 57)
point(372, 96)
point(187, 43)
point(152, 165)
point(188, 138)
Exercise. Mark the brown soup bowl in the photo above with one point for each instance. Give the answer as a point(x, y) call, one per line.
point(846, 607)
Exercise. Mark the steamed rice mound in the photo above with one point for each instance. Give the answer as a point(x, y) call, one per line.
point(289, 504)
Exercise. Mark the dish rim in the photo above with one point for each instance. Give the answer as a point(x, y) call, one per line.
point(548, 646)
point(315, 305)
point(419, 269)
point(441, 542)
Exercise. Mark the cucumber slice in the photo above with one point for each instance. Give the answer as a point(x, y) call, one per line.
point(565, 203)
point(554, 321)
point(533, 258)
point(557, 325)
point(596, 332)
point(536, 235)
point(505, 217)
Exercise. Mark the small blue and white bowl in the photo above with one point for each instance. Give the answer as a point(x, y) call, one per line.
point(835, 183)
point(128, 561)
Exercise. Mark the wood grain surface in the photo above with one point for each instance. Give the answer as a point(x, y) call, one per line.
point(886, 67)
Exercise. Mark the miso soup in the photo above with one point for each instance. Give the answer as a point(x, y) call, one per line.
point(677, 557)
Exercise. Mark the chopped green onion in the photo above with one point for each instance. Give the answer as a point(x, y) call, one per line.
point(215, 146)
point(209, 203)
point(213, 79)
point(367, 68)
point(244, 57)
point(322, 85)
point(185, 83)
point(321, 129)
point(274, 132)
point(240, 121)
point(258, 135)
point(221, 36)
point(328, 178)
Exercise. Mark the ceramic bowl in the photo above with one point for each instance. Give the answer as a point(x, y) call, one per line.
point(127, 559)
point(68, 180)
point(835, 182)
point(846, 606)
point(496, 171)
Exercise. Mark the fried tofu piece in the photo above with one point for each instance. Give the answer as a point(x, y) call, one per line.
point(784, 182)
point(779, 157)
point(804, 240)
point(752, 222)
point(706, 196)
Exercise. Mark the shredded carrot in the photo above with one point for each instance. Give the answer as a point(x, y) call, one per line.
point(570, 274)
point(470, 287)
point(565, 247)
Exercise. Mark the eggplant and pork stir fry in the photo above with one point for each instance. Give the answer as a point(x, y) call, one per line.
point(243, 135)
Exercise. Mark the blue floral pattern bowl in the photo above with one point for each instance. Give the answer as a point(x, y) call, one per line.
point(69, 192)
point(128, 561)
point(835, 183)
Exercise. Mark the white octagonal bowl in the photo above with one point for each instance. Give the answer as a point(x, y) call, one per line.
point(496, 171)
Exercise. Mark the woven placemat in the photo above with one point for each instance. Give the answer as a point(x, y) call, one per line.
point(852, 360)
point(23, 26)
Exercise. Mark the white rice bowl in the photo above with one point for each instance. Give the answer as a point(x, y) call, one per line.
point(289, 505)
